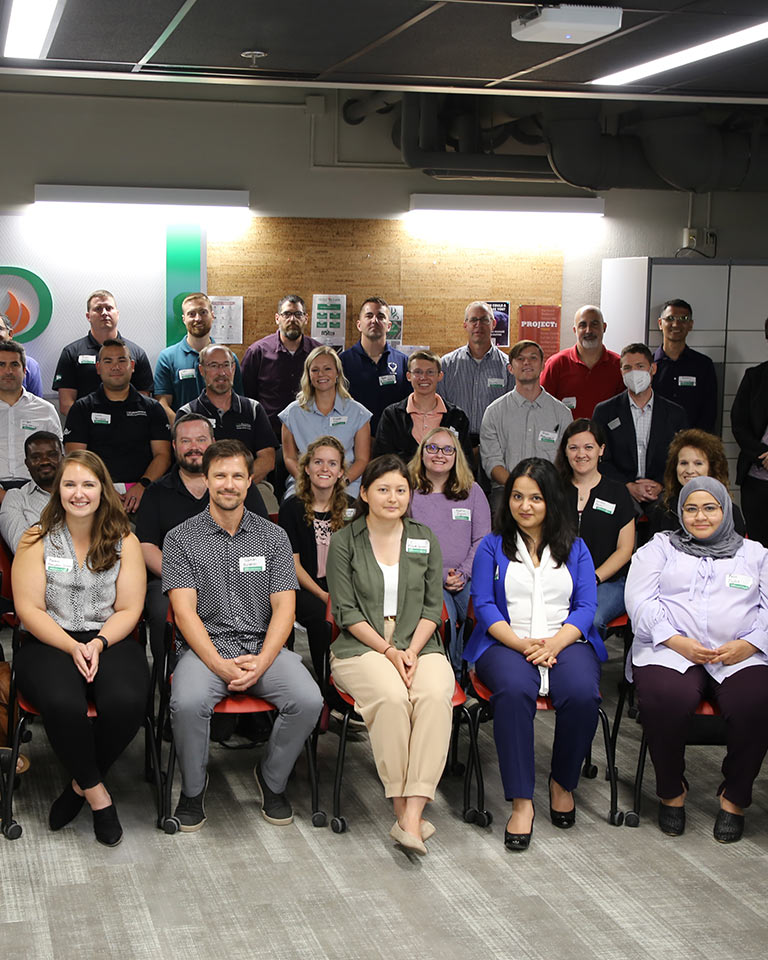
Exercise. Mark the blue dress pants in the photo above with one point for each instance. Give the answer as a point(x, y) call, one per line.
point(574, 687)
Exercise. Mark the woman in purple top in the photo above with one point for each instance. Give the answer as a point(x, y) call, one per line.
point(448, 501)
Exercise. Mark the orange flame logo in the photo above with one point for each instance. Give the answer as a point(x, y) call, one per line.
point(18, 314)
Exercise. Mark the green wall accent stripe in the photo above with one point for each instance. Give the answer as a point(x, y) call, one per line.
point(183, 274)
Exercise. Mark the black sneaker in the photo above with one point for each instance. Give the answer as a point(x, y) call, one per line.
point(275, 807)
point(190, 811)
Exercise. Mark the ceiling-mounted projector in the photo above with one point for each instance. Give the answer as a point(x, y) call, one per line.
point(567, 23)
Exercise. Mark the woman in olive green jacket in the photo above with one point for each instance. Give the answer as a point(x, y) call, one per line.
point(385, 578)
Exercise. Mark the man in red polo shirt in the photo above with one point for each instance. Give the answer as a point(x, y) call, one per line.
point(586, 373)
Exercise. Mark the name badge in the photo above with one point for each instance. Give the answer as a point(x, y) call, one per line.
point(612, 424)
point(387, 379)
point(86, 358)
point(349, 513)
point(59, 564)
point(338, 421)
point(570, 402)
point(253, 564)
point(686, 381)
point(603, 506)
point(495, 382)
point(30, 425)
point(413, 545)
point(739, 581)
point(461, 513)
point(547, 436)
point(187, 374)
point(101, 418)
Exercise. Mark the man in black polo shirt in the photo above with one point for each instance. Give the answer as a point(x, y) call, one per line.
point(76, 374)
point(233, 417)
point(180, 494)
point(130, 432)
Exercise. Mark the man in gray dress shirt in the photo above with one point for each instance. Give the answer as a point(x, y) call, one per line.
point(528, 422)
point(21, 508)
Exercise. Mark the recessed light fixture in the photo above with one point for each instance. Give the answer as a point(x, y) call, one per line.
point(31, 26)
point(701, 51)
point(254, 55)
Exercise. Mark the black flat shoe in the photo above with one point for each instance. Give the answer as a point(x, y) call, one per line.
point(671, 820)
point(561, 818)
point(65, 808)
point(519, 841)
point(106, 826)
point(728, 827)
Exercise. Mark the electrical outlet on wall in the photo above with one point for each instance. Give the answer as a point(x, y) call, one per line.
point(697, 238)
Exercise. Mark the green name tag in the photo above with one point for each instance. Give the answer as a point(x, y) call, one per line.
point(413, 545)
point(253, 564)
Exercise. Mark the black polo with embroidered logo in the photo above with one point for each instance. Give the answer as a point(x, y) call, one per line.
point(245, 420)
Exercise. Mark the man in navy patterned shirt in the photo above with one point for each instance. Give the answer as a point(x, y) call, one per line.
point(231, 580)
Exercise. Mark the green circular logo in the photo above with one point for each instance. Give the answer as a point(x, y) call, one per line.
point(27, 321)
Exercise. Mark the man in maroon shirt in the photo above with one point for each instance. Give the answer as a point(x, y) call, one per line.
point(586, 373)
point(272, 366)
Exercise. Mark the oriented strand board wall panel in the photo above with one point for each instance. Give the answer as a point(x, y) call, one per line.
point(434, 282)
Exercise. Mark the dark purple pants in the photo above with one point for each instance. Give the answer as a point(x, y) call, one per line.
point(667, 700)
point(574, 686)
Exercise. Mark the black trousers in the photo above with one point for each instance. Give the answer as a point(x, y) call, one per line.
point(51, 682)
point(754, 506)
point(310, 612)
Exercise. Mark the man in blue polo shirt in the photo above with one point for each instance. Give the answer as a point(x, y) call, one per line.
point(376, 372)
point(177, 375)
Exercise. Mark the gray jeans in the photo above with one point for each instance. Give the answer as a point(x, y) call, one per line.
point(196, 691)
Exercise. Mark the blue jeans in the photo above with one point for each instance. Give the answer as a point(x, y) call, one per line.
point(610, 601)
point(456, 604)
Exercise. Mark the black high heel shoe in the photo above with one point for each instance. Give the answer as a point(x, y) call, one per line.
point(519, 841)
point(560, 818)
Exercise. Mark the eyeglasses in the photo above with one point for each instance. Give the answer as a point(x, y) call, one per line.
point(432, 449)
point(424, 373)
point(686, 318)
point(215, 367)
point(479, 321)
point(708, 510)
point(292, 314)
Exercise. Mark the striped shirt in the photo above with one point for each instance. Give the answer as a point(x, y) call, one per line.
point(642, 420)
point(471, 384)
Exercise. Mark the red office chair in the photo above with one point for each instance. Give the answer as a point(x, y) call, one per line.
point(476, 814)
point(26, 712)
point(234, 703)
point(484, 694)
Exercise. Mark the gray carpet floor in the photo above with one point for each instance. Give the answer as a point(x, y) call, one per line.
point(241, 888)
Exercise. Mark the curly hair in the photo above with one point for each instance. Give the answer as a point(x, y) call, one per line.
point(339, 502)
point(712, 448)
point(460, 478)
point(559, 529)
point(110, 523)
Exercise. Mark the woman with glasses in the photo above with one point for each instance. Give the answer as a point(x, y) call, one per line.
point(698, 599)
point(603, 511)
point(448, 501)
point(324, 407)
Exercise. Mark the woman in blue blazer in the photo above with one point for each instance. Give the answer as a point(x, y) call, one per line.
point(534, 595)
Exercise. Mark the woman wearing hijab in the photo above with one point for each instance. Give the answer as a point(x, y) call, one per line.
point(698, 600)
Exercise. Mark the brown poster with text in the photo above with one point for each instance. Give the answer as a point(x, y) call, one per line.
point(541, 324)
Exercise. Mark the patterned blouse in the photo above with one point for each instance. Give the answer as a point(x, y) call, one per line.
point(75, 597)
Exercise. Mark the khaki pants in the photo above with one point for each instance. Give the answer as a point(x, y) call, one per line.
point(410, 729)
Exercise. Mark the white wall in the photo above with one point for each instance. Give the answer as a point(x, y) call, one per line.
point(71, 137)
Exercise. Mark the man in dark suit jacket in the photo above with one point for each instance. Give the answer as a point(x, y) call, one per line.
point(749, 420)
point(639, 426)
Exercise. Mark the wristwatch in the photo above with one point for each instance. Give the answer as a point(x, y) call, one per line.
point(104, 641)
point(144, 481)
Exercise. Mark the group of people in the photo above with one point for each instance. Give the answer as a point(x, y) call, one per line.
point(386, 516)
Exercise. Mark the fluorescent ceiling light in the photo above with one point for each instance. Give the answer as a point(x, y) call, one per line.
point(483, 204)
point(30, 28)
point(154, 196)
point(690, 55)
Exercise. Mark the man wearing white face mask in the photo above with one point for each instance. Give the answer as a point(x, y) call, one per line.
point(639, 426)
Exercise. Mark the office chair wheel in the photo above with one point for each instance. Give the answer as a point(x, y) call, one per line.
point(631, 819)
point(338, 825)
point(616, 818)
point(319, 818)
point(13, 831)
point(171, 825)
point(471, 814)
point(457, 769)
point(483, 818)
point(590, 771)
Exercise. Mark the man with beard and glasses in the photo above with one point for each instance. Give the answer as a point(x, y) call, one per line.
point(233, 417)
point(177, 377)
point(376, 372)
point(231, 580)
point(586, 373)
point(174, 498)
point(21, 508)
